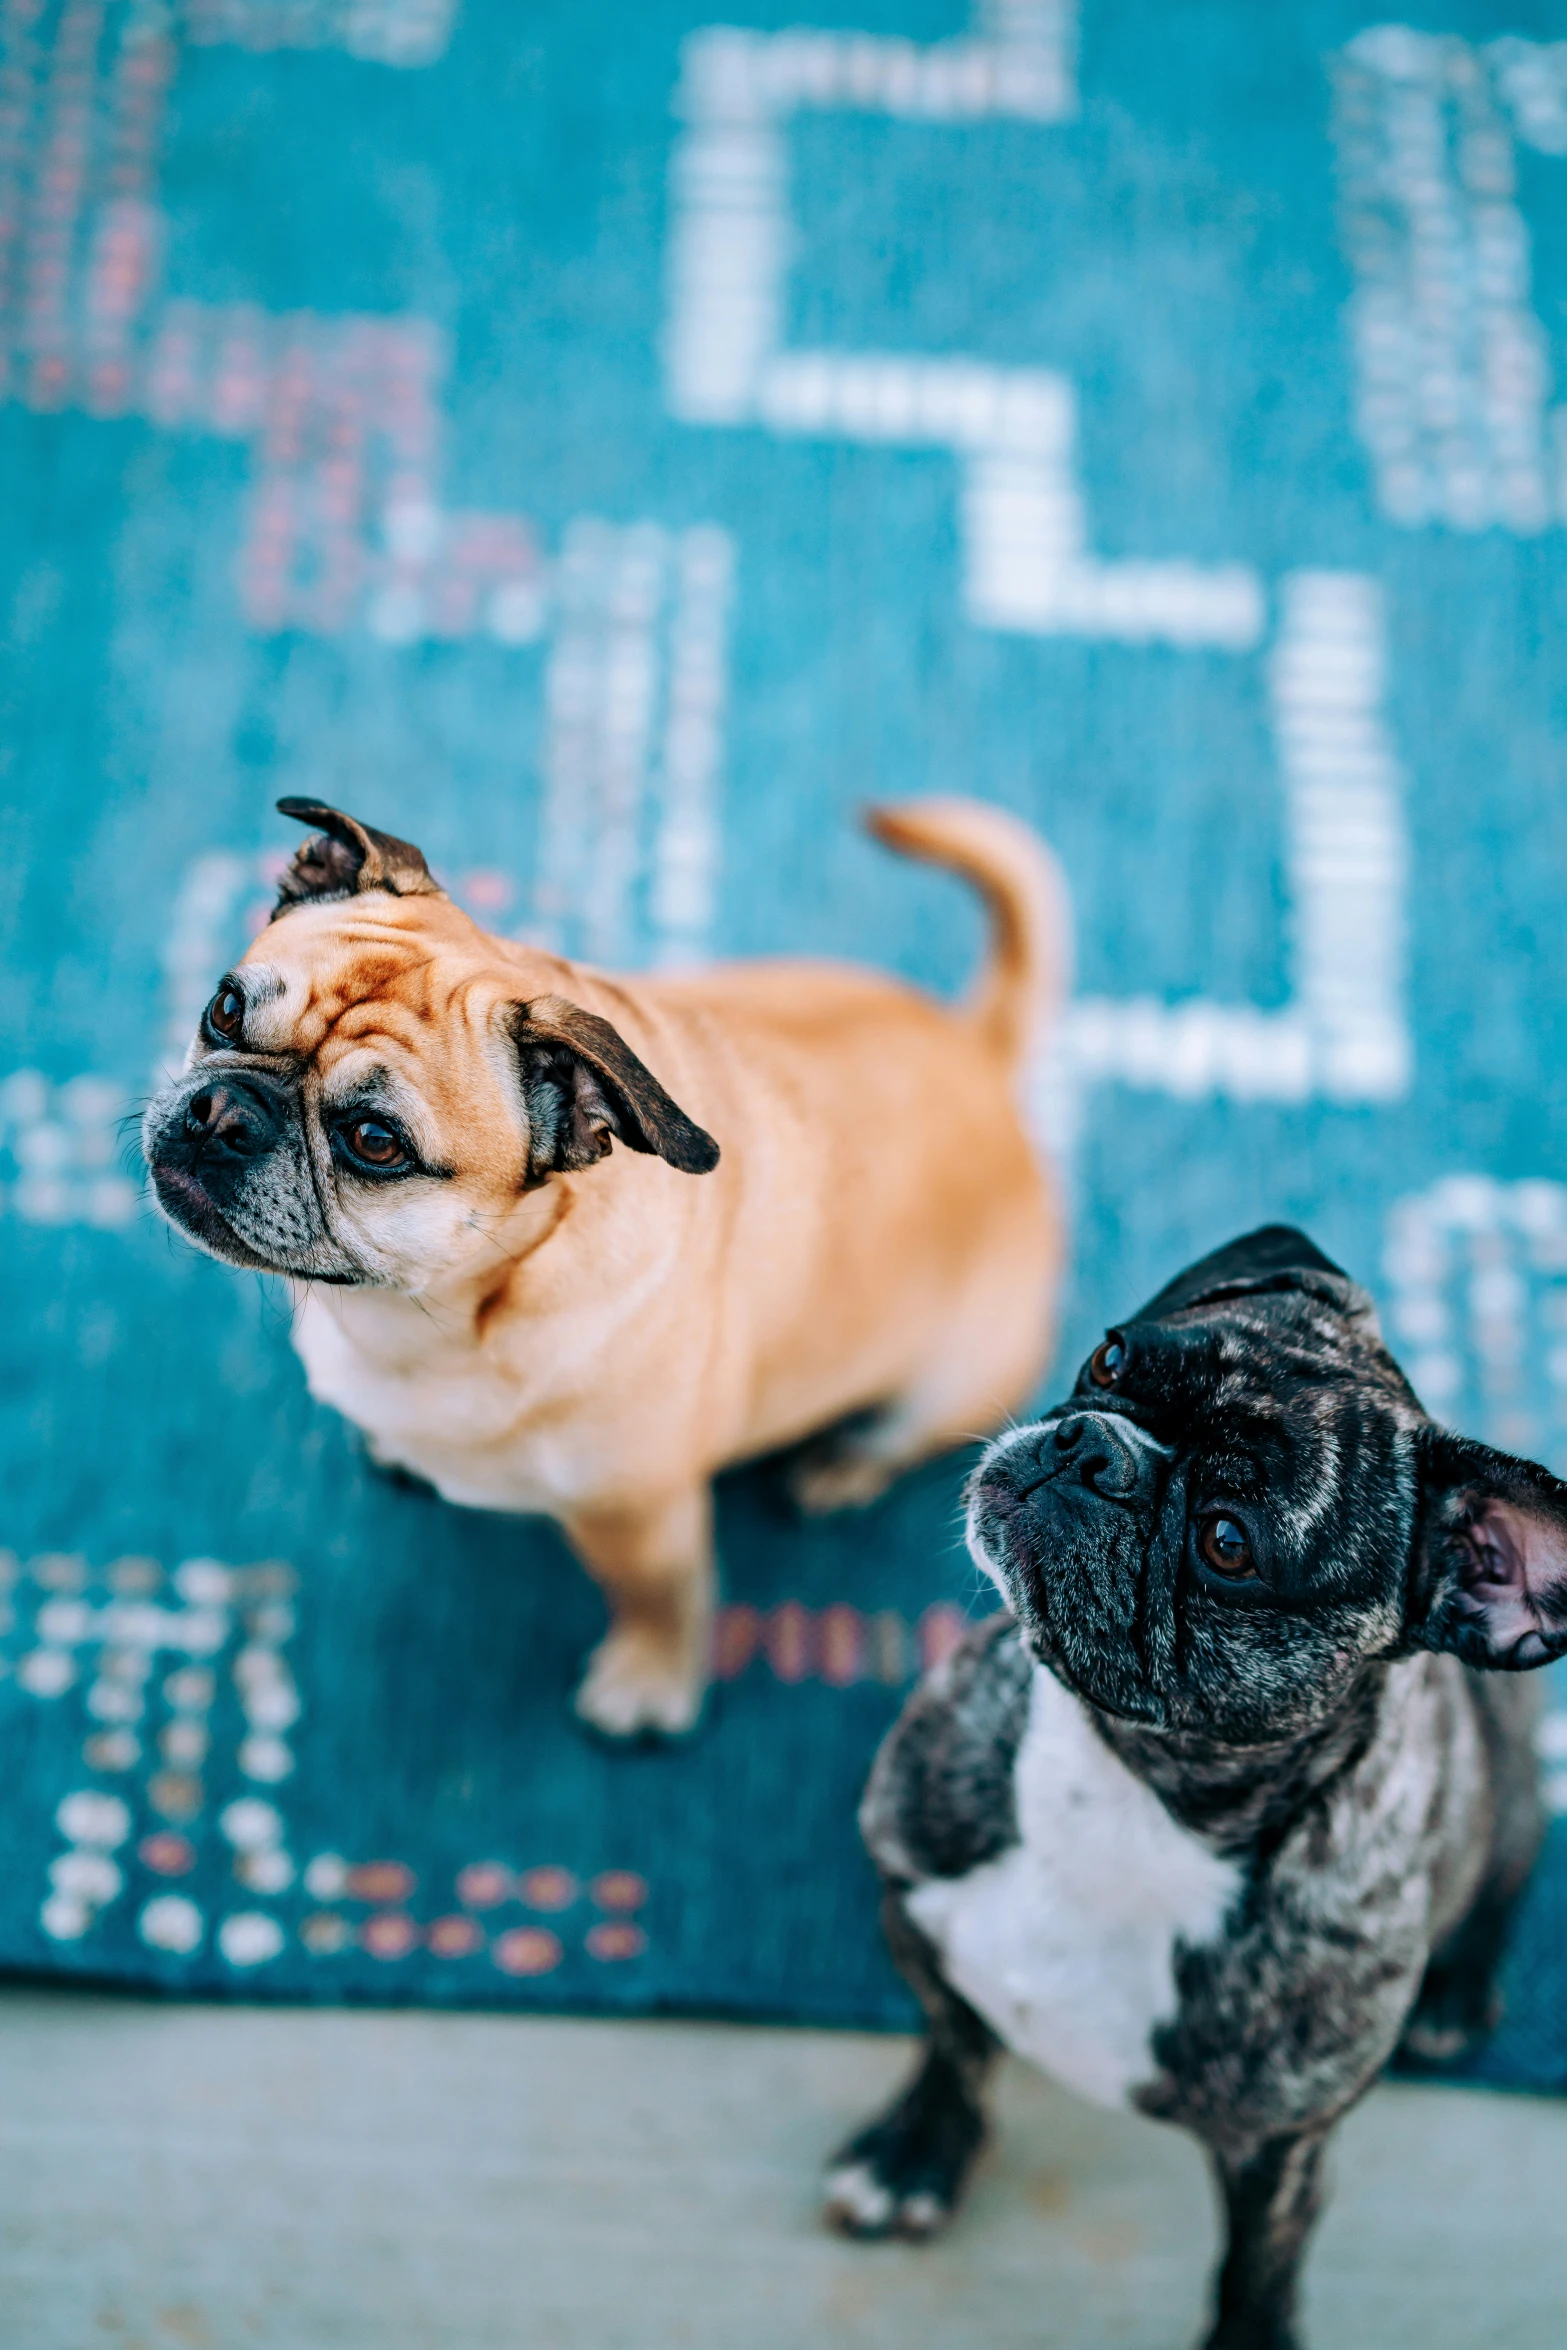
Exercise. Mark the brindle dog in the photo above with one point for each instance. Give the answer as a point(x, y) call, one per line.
point(1241, 1795)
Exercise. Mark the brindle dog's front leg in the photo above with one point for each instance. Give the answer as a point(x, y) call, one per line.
point(654, 1561)
point(902, 2175)
point(1271, 2199)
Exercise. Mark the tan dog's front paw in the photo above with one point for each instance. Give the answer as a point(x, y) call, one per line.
point(634, 1683)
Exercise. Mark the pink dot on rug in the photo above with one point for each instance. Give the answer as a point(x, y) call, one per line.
point(489, 892)
point(166, 1854)
point(391, 1935)
point(842, 1641)
point(526, 1950)
point(791, 1643)
point(484, 1884)
point(380, 1880)
point(619, 1889)
point(455, 1937)
point(548, 1888)
point(614, 1938)
point(736, 1637)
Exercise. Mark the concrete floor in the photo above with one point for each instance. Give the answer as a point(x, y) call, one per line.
point(179, 2178)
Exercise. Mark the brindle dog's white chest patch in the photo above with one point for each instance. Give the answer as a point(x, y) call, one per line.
point(1066, 1944)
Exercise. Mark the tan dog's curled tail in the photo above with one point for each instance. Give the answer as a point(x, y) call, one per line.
point(1021, 987)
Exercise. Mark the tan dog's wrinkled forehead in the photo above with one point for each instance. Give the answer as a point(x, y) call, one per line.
point(385, 977)
point(334, 976)
point(406, 987)
point(363, 930)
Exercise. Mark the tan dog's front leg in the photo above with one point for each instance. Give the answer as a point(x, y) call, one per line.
point(655, 1562)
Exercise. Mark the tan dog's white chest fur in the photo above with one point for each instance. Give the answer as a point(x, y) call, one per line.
point(446, 1411)
point(614, 1235)
point(503, 1414)
point(1066, 1943)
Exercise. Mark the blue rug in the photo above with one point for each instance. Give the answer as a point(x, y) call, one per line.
point(605, 446)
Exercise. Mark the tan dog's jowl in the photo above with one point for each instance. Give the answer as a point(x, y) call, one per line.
point(571, 1244)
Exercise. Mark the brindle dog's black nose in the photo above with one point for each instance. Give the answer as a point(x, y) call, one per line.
point(1106, 1453)
point(233, 1120)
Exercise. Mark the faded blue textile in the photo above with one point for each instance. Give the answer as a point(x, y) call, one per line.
point(607, 446)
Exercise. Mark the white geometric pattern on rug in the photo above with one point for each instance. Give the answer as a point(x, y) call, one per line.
point(1026, 553)
point(1455, 394)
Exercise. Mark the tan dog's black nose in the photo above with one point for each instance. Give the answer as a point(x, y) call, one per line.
point(234, 1120)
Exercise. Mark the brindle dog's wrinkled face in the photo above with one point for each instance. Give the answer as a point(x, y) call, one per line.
point(1242, 1501)
point(368, 1099)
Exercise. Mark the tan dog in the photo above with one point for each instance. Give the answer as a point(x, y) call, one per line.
point(416, 1121)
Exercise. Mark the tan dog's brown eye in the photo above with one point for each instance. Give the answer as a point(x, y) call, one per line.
point(374, 1143)
point(1225, 1548)
point(226, 1012)
point(1107, 1361)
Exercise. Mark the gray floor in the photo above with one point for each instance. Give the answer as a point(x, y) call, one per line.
point(233, 2179)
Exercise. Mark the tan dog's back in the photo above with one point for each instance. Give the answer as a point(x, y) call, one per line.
point(885, 1177)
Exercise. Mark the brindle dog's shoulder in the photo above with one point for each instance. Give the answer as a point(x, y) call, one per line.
point(1334, 1927)
point(940, 1799)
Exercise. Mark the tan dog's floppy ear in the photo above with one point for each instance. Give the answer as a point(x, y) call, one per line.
point(346, 857)
point(585, 1089)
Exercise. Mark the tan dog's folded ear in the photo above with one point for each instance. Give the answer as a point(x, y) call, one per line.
point(585, 1089)
point(346, 857)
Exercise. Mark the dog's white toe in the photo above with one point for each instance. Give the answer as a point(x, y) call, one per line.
point(857, 2200)
point(626, 1688)
point(921, 2215)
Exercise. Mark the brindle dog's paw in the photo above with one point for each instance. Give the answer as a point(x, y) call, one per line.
point(1432, 2046)
point(1458, 2009)
point(1258, 2329)
point(634, 1685)
point(1441, 2033)
point(903, 2176)
point(860, 2202)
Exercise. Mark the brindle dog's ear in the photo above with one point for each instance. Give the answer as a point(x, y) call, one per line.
point(1276, 1257)
point(346, 857)
point(585, 1089)
point(1490, 1579)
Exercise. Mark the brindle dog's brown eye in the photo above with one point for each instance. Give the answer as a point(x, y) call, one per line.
point(1225, 1547)
point(226, 1012)
point(374, 1143)
point(1107, 1361)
